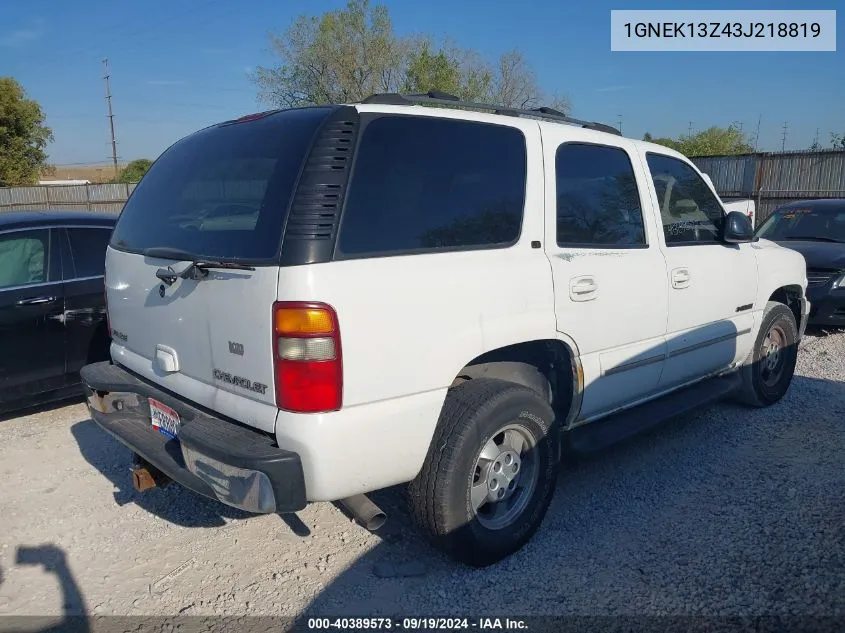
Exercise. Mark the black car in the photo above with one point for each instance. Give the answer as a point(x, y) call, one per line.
point(52, 302)
point(816, 229)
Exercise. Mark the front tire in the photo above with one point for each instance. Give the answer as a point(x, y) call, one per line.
point(490, 473)
point(768, 372)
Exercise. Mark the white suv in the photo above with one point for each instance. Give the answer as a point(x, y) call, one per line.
point(312, 304)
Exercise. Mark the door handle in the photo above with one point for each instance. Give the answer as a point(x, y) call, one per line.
point(583, 288)
point(681, 278)
point(35, 301)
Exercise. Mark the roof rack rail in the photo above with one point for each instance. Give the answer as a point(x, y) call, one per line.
point(435, 97)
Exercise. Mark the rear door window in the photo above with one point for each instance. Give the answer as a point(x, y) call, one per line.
point(223, 192)
point(424, 184)
point(598, 203)
point(88, 249)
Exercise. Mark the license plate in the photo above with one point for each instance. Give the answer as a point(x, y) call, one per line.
point(164, 419)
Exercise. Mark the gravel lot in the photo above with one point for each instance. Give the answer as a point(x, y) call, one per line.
point(728, 512)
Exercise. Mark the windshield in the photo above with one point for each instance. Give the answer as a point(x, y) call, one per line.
point(221, 193)
point(826, 225)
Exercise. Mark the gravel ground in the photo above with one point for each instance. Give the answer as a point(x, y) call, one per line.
point(727, 512)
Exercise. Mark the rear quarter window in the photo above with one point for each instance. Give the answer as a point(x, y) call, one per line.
point(423, 184)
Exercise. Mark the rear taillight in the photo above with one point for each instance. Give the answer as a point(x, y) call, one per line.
point(307, 357)
point(106, 299)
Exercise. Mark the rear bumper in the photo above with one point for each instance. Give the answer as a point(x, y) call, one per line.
point(214, 457)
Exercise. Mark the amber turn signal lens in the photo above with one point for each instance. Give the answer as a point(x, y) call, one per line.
point(293, 321)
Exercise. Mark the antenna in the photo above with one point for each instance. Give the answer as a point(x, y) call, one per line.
point(783, 136)
point(110, 115)
point(689, 132)
point(620, 123)
point(757, 133)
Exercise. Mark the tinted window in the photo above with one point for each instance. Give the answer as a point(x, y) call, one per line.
point(805, 223)
point(425, 183)
point(690, 211)
point(598, 203)
point(88, 249)
point(24, 257)
point(222, 192)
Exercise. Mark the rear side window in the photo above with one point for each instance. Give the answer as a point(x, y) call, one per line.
point(424, 184)
point(598, 203)
point(223, 192)
point(88, 249)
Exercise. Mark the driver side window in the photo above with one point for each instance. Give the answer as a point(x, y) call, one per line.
point(24, 258)
point(690, 212)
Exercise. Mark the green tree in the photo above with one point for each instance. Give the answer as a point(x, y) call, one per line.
point(714, 141)
point(23, 136)
point(345, 55)
point(338, 57)
point(837, 141)
point(134, 171)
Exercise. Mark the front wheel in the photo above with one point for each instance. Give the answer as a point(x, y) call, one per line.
point(768, 372)
point(489, 476)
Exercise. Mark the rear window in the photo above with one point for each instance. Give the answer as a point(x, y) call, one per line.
point(425, 183)
point(223, 192)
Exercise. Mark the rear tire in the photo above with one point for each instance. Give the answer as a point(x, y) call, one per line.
point(490, 473)
point(768, 372)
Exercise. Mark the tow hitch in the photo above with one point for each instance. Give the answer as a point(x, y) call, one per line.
point(146, 476)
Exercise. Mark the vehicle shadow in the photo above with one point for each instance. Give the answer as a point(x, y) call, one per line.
point(634, 529)
point(172, 503)
point(43, 407)
point(74, 607)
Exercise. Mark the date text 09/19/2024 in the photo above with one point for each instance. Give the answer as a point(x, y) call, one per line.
point(418, 624)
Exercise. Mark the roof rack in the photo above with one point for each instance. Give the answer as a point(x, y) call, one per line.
point(435, 97)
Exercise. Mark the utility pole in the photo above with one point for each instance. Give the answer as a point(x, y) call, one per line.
point(816, 139)
point(757, 133)
point(110, 116)
point(620, 123)
point(689, 132)
point(783, 136)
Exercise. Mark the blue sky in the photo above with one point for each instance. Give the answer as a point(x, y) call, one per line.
point(182, 64)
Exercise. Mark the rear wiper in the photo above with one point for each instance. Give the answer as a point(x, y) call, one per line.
point(813, 238)
point(196, 269)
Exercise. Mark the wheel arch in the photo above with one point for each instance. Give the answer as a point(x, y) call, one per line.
point(792, 296)
point(551, 367)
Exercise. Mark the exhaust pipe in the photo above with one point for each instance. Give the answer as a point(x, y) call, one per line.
point(146, 476)
point(364, 511)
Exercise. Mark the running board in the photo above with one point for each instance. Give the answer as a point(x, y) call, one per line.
point(600, 434)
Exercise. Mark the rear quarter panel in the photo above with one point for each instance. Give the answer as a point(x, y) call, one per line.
point(408, 324)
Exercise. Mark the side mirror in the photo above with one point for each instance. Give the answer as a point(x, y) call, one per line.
point(737, 228)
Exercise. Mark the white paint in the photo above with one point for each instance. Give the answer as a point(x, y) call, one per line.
point(408, 324)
